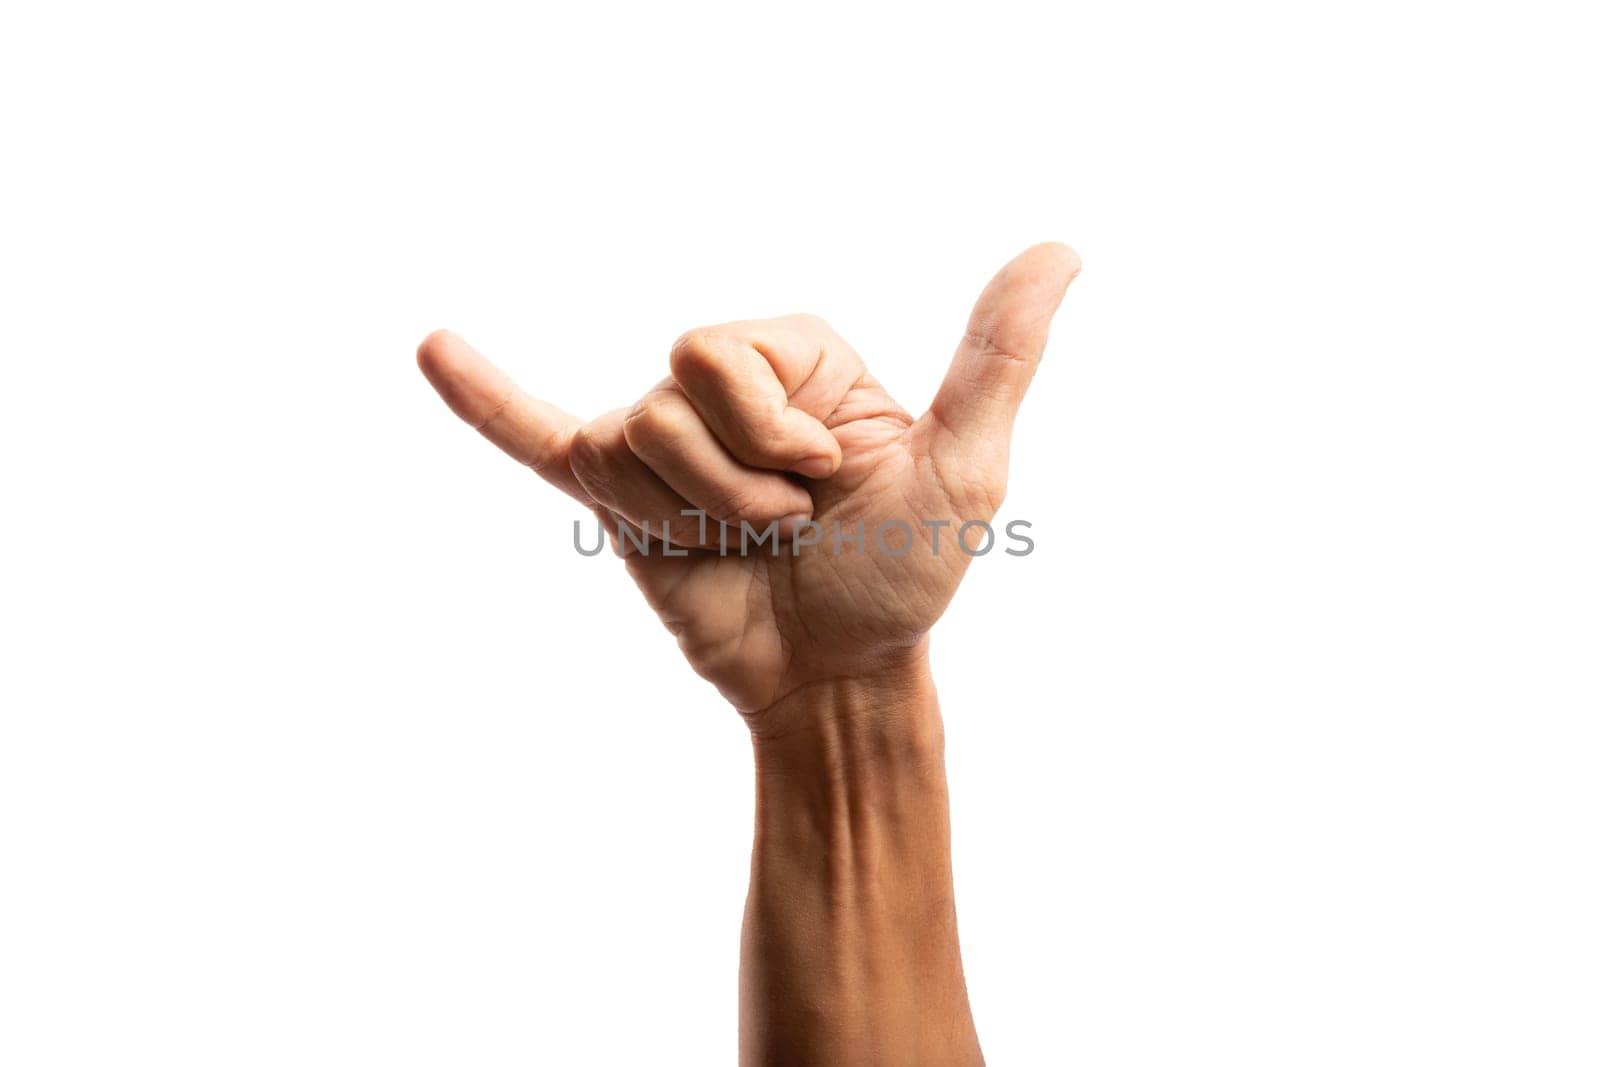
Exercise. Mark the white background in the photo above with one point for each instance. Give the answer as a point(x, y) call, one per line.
point(320, 745)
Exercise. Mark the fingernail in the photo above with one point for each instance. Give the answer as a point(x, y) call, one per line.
point(814, 466)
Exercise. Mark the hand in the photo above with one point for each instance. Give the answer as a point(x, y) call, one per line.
point(777, 420)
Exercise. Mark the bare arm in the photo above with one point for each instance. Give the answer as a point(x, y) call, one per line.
point(850, 952)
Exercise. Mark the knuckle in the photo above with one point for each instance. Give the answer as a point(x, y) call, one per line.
point(654, 421)
point(496, 414)
point(695, 353)
point(982, 341)
point(760, 434)
point(546, 455)
point(589, 461)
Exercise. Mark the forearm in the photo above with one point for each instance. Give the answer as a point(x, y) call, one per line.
point(850, 953)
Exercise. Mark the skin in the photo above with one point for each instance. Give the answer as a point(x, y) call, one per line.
point(849, 952)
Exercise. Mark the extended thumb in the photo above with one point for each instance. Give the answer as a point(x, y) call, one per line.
point(1004, 342)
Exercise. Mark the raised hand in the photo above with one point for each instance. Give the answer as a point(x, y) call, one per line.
point(778, 420)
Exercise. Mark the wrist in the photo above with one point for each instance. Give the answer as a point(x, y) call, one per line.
point(852, 725)
point(852, 759)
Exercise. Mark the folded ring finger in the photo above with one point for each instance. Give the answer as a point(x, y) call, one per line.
point(667, 434)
